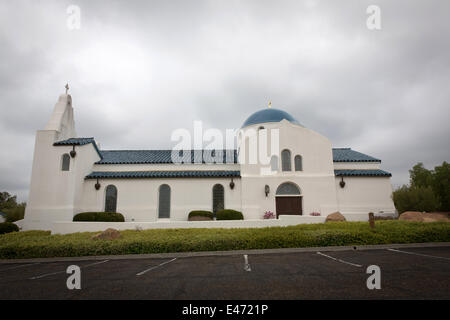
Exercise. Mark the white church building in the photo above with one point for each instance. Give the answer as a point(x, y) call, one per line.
point(302, 179)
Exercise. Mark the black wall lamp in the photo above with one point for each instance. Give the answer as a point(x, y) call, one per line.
point(342, 183)
point(97, 185)
point(73, 153)
point(267, 190)
point(232, 184)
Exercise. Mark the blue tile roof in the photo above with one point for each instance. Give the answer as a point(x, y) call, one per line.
point(196, 156)
point(163, 156)
point(269, 115)
point(75, 142)
point(79, 142)
point(349, 155)
point(162, 174)
point(362, 173)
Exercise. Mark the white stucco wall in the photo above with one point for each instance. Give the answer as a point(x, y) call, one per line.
point(357, 165)
point(137, 199)
point(316, 180)
point(62, 227)
point(362, 195)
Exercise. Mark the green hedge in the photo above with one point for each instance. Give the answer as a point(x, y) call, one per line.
point(40, 244)
point(99, 216)
point(7, 227)
point(228, 214)
point(201, 213)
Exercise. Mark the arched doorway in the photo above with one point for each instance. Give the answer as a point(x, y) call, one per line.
point(288, 199)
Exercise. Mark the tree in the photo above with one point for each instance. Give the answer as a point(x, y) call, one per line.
point(441, 185)
point(7, 201)
point(411, 198)
point(420, 176)
point(8, 204)
point(429, 190)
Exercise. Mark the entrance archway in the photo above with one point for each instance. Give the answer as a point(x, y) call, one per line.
point(288, 199)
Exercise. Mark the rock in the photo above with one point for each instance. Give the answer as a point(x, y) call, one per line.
point(411, 216)
point(200, 218)
point(336, 216)
point(424, 216)
point(436, 216)
point(108, 234)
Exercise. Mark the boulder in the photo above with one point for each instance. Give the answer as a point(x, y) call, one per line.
point(199, 218)
point(436, 216)
point(411, 216)
point(336, 216)
point(108, 234)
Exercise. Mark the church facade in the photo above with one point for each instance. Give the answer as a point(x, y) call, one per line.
point(299, 175)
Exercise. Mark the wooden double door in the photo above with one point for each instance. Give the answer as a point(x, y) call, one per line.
point(289, 205)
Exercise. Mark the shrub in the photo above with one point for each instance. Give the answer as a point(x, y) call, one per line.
point(415, 199)
point(201, 213)
point(228, 214)
point(269, 215)
point(15, 214)
point(99, 216)
point(7, 227)
point(35, 244)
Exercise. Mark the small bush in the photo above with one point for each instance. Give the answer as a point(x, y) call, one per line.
point(201, 213)
point(7, 227)
point(415, 199)
point(99, 216)
point(15, 214)
point(228, 214)
point(269, 215)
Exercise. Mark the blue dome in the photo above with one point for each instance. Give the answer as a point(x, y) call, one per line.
point(269, 115)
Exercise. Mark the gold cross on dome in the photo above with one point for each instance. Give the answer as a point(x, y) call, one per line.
point(270, 104)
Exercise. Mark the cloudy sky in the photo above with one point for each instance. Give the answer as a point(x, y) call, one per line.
point(140, 69)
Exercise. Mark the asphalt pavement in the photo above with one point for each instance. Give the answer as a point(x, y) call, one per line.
point(404, 273)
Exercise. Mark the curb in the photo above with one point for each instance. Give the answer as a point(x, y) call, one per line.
point(228, 253)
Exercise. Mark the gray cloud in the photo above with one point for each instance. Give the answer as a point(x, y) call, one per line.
point(140, 69)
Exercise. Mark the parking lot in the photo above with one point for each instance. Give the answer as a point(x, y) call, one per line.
point(406, 273)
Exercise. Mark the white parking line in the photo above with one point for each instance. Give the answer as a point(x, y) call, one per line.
point(246, 264)
point(154, 267)
point(339, 260)
point(21, 266)
point(58, 272)
point(419, 254)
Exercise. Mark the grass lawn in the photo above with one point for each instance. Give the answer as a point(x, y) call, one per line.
point(34, 244)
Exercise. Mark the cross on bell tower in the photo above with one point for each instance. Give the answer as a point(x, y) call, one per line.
point(67, 88)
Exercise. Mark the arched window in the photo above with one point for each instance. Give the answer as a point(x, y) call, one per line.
point(111, 198)
point(298, 163)
point(164, 201)
point(286, 160)
point(65, 162)
point(274, 163)
point(288, 189)
point(218, 198)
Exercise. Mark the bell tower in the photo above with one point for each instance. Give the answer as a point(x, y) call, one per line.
point(62, 120)
point(52, 187)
